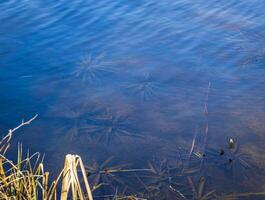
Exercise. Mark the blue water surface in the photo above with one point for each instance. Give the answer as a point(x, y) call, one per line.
point(140, 81)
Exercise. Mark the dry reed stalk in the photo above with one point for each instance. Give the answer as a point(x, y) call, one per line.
point(70, 180)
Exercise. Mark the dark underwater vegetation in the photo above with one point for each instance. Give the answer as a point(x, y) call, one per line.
point(160, 99)
point(145, 88)
point(90, 69)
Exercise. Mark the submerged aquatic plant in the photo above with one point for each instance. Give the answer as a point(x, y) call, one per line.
point(107, 125)
point(254, 58)
point(231, 158)
point(161, 181)
point(103, 173)
point(73, 117)
point(91, 68)
point(219, 54)
point(106, 179)
point(189, 160)
point(250, 44)
point(160, 174)
point(96, 123)
point(253, 44)
point(120, 195)
point(26, 178)
point(236, 161)
point(199, 190)
point(144, 87)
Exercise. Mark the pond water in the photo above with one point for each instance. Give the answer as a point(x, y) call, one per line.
point(176, 86)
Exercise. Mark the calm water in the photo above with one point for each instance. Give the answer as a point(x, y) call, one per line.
point(130, 80)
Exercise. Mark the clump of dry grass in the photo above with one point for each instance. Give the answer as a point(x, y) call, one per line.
point(24, 179)
point(27, 179)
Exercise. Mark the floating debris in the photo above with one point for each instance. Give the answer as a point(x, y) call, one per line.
point(232, 143)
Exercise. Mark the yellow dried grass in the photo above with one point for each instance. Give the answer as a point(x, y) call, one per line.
point(27, 180)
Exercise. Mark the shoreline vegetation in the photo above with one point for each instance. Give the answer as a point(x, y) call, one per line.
point(26, 179)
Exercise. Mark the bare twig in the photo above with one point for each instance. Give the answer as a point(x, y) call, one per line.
point(4, 143)
point(23, 124)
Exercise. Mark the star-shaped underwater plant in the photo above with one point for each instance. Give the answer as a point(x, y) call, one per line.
point(235, 160)
point(107, 125)
point(251, 43)
point(199, 190)
point(91, 69)
point(72, 118)
point(163, 181)
point(144, 87)
point(231, 159)
point(104, 174)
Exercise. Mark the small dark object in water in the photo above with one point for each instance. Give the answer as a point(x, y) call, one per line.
point(231, 143)
point(89, 174)
point(222, 152)
point(230, 160)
